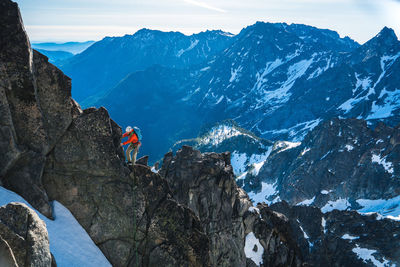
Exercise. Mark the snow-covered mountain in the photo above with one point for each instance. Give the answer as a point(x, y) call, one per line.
point(279, 84)
point(247, 150)
point(277, 80)
point(341, 164)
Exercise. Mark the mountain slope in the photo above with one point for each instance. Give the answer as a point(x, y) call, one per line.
point(230, 86)
point(341, 164)
point(281, 88)
point(116, 57)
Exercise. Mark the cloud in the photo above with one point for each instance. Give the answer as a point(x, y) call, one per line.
point(204, 5)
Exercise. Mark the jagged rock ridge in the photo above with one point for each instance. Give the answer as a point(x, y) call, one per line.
point(56, 151)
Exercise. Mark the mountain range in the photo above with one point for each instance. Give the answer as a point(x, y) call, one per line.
point(328, 196)
point(275, 79)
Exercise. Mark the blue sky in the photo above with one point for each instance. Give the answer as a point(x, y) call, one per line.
point(80, 20)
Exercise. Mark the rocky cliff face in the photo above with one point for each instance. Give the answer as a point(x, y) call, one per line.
point(342, 238)
point(206, 184)
point(56, 151)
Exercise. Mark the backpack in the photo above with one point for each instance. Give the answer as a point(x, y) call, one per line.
point(138, 133)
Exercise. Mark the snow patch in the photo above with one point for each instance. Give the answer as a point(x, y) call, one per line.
point(306, 202)
point(382, 161)
point(388, 208)
point(69, 242)
point(367, 256)
point(304, 151)
point(349, 237)
point(339, 204)
point(323, 224)
point(250, 243)
point(286, 145)
point(304, 233)
point(349, 147)
point(267, 190)
point(191, 46)
point(325, 192)
point(235, 73)
point(391, 102)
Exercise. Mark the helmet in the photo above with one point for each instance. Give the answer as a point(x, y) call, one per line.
point(128, 129)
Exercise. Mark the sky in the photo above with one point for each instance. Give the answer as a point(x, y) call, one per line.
point(82, 20)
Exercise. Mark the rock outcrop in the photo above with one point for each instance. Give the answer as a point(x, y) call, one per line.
point(206, 184)
point(274, 233)
point(56, 151)
point(23, 237)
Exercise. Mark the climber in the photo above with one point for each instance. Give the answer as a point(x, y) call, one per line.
point(134, 138)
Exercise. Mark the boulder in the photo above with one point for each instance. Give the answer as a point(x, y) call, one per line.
point(26, 235)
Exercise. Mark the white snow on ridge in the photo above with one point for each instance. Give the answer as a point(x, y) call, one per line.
point(220, 133)
point(69, 242)
point(325, 192)
point(338, 204)
point(251, 241)
point(382, 161)
point(367, 256)
point(306, 202)
point(286, 145)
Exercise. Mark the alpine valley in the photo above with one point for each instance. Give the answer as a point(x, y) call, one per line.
point(283, 140)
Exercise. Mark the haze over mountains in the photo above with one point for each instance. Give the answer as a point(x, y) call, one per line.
point(275, 79)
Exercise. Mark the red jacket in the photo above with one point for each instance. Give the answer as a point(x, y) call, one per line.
point(132, 139)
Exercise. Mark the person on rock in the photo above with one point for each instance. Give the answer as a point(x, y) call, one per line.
point(134, 138)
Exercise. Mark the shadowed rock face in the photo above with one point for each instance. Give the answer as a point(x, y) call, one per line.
point(25, 234)
point(54, 150)
point(332, 239)
point(36, 109)
point(206, 184)
point(275, 235)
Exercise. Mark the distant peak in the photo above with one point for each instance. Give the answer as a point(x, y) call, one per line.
point(387, 33)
